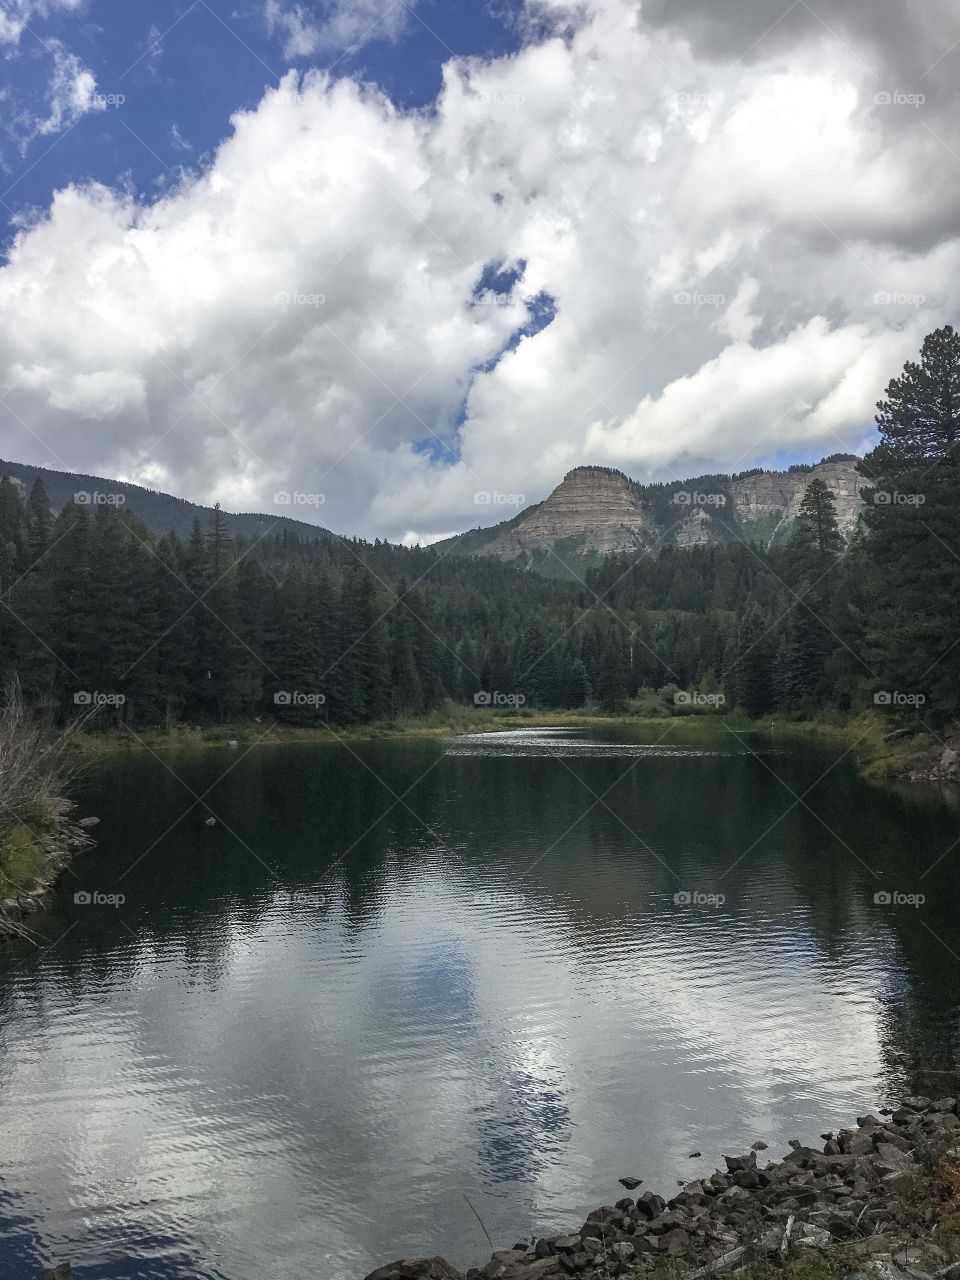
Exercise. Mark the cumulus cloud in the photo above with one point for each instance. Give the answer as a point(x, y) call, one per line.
point(704, 260)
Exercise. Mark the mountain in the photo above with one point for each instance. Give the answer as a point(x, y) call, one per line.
point(596, 511)
point(160, 512)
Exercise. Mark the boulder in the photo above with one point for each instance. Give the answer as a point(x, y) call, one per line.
point(738, 1164)
point(650, 1205)
point(567, 1244)
point(415, 1269)
point(812, 1236)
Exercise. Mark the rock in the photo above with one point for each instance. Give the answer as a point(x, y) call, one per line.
point(949, 762)
point(210, 822)
point(854, 1143)
point(737, 1164)
point(87, 822)
point(508, 1257)
point(625, 1203)
point(650, 1205)
point(759, 1146)
point(812, 1236)
point(415, 1269)
point(892, 1157)
point(909, 1256)
point(60, 1272)
point(630, 1183)
point(674, 1242)
point(567, 1244)
point(917, 1104)
point(666, 1222)
point(884, 1269)
point(827, 1136)
point(694, 1155)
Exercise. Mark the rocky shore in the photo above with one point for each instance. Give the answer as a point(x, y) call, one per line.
point(945, 767)
point(880, 1201)
point(62, 838)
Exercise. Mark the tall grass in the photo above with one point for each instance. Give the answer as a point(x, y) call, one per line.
point(37, 772)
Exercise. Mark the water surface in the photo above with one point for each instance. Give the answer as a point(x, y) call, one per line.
point(506, 968)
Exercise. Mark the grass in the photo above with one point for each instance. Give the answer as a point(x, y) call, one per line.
point(34, 778)
point(23, 860)
point(862, 733)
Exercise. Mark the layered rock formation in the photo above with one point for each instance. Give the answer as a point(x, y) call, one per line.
point(777, 495)
point(599, 511)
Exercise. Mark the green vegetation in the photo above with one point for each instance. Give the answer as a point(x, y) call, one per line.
point(213, 630)
point(35, 775)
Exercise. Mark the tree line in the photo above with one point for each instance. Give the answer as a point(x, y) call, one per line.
point(211, 629)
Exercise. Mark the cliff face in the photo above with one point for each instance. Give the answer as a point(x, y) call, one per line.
point(598, 511)
point(778, 494)
point(599, 506)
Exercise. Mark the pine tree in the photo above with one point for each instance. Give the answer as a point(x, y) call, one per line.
point(910, 627)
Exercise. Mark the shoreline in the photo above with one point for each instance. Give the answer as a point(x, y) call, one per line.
point(917, 758)
point(880, 1201)
point(46, 854)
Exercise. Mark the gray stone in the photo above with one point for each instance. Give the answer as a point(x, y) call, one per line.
point(812, 1236)
point(567, 1244)
point(415, 1269)
point(736, 1164)
point(650, 1205)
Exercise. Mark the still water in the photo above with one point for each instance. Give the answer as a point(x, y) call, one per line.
point(397, 977)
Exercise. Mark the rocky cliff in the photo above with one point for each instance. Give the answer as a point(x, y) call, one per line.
point(595, 511)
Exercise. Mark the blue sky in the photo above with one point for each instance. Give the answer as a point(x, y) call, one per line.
point(183, 67)
point(382, 261)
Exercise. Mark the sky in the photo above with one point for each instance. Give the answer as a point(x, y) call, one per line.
point(394, 268)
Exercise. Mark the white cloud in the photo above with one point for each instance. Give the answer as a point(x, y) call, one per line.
point(16, 15)
point(337, 24)
point(737, 257)
point(72, 93)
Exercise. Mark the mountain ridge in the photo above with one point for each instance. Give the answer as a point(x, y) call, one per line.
point(160, 512)
point(597, 511)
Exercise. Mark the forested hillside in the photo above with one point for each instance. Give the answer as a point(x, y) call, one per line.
point(212, 628)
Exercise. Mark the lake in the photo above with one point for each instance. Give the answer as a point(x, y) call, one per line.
point(401, 981)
